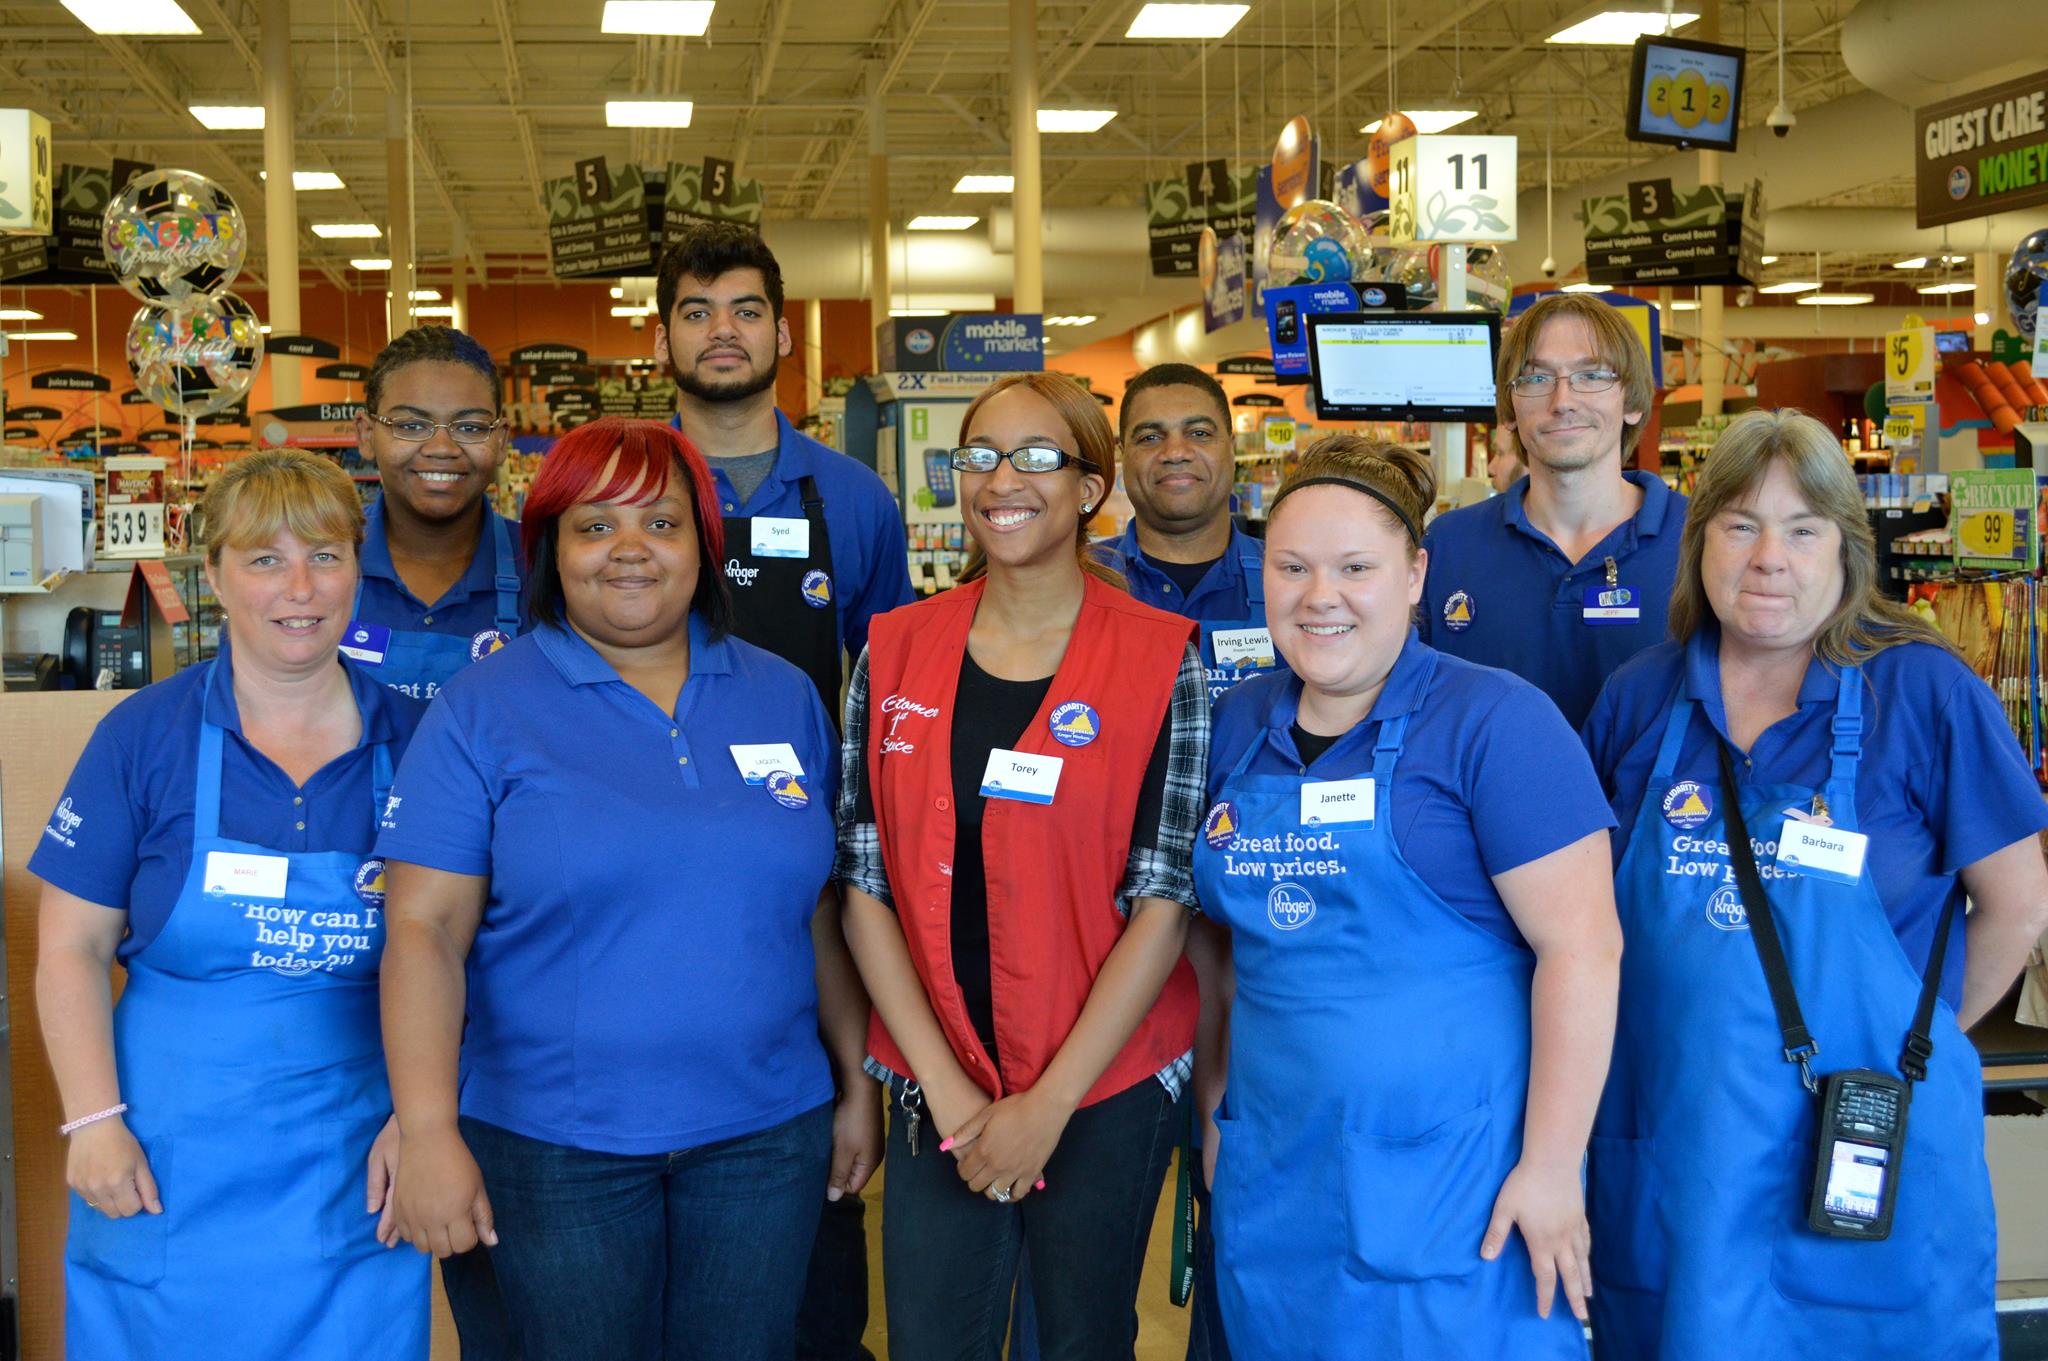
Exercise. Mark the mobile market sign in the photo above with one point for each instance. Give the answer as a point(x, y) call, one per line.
point(1982, 153)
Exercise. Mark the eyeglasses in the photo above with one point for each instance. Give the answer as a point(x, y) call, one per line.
point(1032, 458)
point(1585, 382)
point(413, 430)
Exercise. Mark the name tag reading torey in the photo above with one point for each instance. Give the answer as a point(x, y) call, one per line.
point(1821, 852)
point(775, 537)
point(761, 759)
point(233, 874)
point(1337, 803)
point(1021, 776)
point(1243, 647)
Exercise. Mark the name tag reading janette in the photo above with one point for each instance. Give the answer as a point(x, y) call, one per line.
point(1337, 803)
point(1823, 852)
point(234, 874)
point(1018, 775)
point(1243, 647)
point(775, 537)
point(762, 759)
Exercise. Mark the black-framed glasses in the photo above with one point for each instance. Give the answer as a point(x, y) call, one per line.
point(1032, 458)
point(1585, 382)
point(418, 430)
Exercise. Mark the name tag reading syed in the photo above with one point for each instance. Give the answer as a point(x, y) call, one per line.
point(1018, 775)
point(780, 538)
point(1337, 803)
point(235, 874)
point(762, 759)
point(1822, 852)
point(1612, 605)
point(1243, 647)
point(366, 643)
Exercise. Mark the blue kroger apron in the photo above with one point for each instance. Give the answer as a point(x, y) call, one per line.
point(1703, 1153)
point(248, 1047)
point(1379, 1065)
point(419, 663)
point(1223, 675)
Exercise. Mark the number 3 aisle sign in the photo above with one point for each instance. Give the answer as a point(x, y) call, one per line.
point(1452, 189)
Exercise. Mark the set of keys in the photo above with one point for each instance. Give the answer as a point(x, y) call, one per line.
point(911, 1103)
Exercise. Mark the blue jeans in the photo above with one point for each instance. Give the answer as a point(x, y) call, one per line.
point(950, 1256)
point(835, 1311)
point(696, 1255)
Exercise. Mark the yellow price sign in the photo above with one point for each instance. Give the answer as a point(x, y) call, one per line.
point(1899, 429)
point(1280, 436)
point(1987, 533)
point(1909, 366)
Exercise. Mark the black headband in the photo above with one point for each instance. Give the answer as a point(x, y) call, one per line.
point(1407, 521)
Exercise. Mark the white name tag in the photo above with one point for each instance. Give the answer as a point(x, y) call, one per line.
point(231, 873)
point(1337, 803)
point(762, 759)
point(1015, 775)
point(1822, 852)
point(778, 538)
point(1243, 647)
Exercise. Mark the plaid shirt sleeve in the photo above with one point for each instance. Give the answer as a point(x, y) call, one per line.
point(1166, 868)
point(859, 859)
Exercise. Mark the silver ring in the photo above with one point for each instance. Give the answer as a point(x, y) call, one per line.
point(1001, 1194)
point(95, 1204)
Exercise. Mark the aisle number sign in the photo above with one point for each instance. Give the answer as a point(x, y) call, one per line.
point(1449, 188)
point(1994, 518)
point(1909, 366)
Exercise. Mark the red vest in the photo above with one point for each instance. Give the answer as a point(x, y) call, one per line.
point(1053, 869)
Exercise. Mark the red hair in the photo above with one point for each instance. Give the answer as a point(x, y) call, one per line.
point(648, 453)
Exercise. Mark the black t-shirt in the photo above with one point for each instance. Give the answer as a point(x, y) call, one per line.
point(1186, 576)
point(1312, 745)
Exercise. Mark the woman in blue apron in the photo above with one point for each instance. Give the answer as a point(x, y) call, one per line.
point(231, 1146)
point(1877, 780)
point(1409, 860)
point(440, 578)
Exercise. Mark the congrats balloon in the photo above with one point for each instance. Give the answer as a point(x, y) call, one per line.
point(173, 235)
point(196, 359)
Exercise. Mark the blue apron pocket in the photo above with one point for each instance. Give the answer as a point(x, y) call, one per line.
point(346, 1228)
point(1888, 1276)
point(132, 1249)
point(1417, 1206)
point(1625, 1205)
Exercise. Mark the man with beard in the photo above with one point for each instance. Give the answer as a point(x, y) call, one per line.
point(814, 550)
point(1567, 574)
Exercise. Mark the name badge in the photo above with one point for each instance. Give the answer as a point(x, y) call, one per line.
point(762, 759)
point(779, 538)
point(366, 643)
point(233, 873)
point(1016, 775)
point(1337, 803)
point(1821, 851)
point(1243, 647)
point(1612, 605)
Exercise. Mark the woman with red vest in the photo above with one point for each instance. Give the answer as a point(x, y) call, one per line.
point(1024, 759)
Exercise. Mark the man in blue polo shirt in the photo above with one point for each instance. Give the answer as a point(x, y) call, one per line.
point(1568, 574)
point(814, 549)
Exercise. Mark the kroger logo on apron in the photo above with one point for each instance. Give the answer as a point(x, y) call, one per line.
point(1289, 906)
point(1726, 911)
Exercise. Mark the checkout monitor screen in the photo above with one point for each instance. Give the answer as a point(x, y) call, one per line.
point(1403, 366)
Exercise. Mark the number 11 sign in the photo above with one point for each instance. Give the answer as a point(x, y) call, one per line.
point(1448, 188)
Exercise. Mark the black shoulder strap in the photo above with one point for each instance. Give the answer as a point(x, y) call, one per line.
point(807, 488)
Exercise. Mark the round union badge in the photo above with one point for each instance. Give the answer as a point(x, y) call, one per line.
point(1686, 805)
point(1289, 906)
point(817, 589)
point(487, 642)
point(784, 788)
point(370, 882)
point(1458, 612)
point(1219, 829)
point(1074, 724)
point(1725, 909)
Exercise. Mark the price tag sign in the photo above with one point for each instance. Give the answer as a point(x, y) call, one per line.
point(1986, 533)
point(133, 530)
point(1280, 435)
point(1451, 188)
point(1909, 366)
point(1900, 430)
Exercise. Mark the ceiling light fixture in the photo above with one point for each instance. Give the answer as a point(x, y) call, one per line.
point(368, 263)
point(1767, 259)
point(1917, 262)
point(1957, 287)
point(919, 312)
point(1185, 21)
point(1074, 120)
point(228, 117)
point(443, 310)
point(633, 309)
point(1584, 288)
point(647, 113)
point(1982, 318)
point(347, 231)
point(663, 18)
point(1835, 299)
point(42, 335)
point(1684, 305)
point(1791, 286)
point(425, 295)
point(20, 314)
point(941, 222)
point(1619, 25)
point(307, 181)
point(986, 184)
point(158, 18)
point(1429, 120)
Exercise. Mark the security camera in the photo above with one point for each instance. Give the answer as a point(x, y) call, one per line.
point(1549, 267)
point(1745, 295)
point(638, 321)
point(1781, 120)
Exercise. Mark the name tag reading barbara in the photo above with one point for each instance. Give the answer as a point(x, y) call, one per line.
point(775, 537)
point(1337, 803)
point(1021, 776)
point(1821, 852)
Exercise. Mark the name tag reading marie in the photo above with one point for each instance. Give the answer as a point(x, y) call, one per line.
point(781, 538)
point(757, 761)
point(1021, 776)
point(1243, 647)
point(1823, 852)
point(1337, 803)
point(238, 875)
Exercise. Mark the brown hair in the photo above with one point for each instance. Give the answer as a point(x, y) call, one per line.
point(1863, 622)
point(272, 489)
point(1614, 340)
point(1396, 472)
point(1094, 441)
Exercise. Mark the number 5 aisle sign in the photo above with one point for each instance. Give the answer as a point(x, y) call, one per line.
point(1909, 366)
point(1445, 188)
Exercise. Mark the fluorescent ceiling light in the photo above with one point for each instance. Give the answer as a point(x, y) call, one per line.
point(919, 312)
point(368, 263)
point(1954, 259)
point(1429, 120)
point(431, 311)
point(941, 222)
point(1791, 286)
point(1185, 21)
point(633, 309)
point(1619, 27)
point(1684, 305)
point(1585, 288)
point(1982, 318)
point(1917, 262)
point(1767, 259)
point(618, 292)
point(1834, 299)
point(158, 17)
point(647, 113)
point(1958, 287)
point(264, 329)
point(986, 184)
point(346, 231)
point(306, 181)
point(667, 18)
point(20, 314)
point(425, 295)
point(228, 117)
point(1073, 120)
point(42, 335)
point(1070, 320)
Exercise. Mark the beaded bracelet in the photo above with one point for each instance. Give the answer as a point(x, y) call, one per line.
point(82, 1121)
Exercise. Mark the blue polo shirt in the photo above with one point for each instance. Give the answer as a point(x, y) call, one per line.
point(1500, 593)
point(870, 554)
point(1942, 782)
point(463, 611)
point(1487, 779)
point(1223, 595)
point(122, 832)
point(642, 979)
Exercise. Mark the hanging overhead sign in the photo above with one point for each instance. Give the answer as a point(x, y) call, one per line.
point(1250, 365)
point(606, 236)
point(72, 252)
point(1223, 280)
point(1654, 234)
point(23, 255)
point(306, 347)
point(1208, 195)
point(35, 413)
point(25, 202)
point(1451, 188)
point(565, 375)
point(343, 373)
point(69, 380)
point(1982, 153)
point(709, 191)
point(548, 352)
